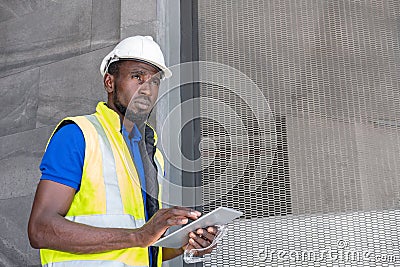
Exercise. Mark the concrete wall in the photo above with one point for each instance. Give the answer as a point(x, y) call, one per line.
point(50, 53)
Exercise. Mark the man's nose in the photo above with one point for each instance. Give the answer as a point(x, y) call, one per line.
point(145, 87)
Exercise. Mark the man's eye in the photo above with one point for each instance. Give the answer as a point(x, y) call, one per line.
point(136, 76)
point(155, 82)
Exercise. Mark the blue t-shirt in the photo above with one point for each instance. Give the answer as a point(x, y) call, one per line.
point(63, 160)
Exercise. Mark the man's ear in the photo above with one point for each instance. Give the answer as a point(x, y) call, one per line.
point(109, 82)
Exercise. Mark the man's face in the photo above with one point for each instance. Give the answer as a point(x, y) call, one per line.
point(136, 89)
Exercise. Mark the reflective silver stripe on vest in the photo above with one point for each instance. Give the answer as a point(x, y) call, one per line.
point(108, 220)
point(89, 264)
point(113, 195)
point(160, 171)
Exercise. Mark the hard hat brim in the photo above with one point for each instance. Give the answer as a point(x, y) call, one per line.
point(166, 73)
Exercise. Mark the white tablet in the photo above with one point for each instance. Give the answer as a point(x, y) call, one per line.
point(180, 237)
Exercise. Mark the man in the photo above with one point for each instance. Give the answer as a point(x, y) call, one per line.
point(96, 203)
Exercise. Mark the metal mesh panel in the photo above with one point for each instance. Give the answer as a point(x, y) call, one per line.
point(330, 71)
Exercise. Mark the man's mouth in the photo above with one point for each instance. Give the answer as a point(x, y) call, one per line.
point(143, 103)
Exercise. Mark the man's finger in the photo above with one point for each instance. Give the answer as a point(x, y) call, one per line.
point(198, 213)
point(203, 242)
point(205, 234)
point(177, 221)
point(212, 230)
point(195, 244)
point(189, 213)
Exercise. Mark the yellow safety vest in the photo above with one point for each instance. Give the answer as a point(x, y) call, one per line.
point(110, 195)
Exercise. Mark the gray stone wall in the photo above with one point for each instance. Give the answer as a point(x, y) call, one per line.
point(50, 53)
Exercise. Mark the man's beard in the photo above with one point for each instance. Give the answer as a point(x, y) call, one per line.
point(137, 118)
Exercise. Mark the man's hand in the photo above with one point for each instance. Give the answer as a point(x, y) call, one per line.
point(201, 238)
point(162, 220)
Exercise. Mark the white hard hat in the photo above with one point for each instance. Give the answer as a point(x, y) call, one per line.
point(141, 48)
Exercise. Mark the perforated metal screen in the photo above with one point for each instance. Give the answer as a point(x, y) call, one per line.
point(328, 189)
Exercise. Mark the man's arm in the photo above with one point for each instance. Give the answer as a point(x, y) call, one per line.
point(170, 253)
point(49, 229)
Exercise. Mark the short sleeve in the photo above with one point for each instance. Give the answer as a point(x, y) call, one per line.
point(63, 160)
